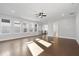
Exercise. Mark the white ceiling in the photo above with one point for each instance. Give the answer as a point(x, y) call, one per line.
point(55, 11)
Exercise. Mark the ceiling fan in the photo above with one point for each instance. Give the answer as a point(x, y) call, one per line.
point(41, 14)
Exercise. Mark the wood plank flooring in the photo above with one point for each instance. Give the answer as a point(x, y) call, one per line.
point(62, 47)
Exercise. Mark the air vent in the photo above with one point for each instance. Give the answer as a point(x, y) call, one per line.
point(6, 20)
point(72, 13)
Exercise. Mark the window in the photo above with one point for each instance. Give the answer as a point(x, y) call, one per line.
point(24, 27)
point(17, 25)
point(35, 28)
point(5, 26)
point(45, 28)
point(31, 27)
point(39, 28)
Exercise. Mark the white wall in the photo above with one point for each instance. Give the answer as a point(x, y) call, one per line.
point(12, 35)
point(77, 27)
point(66, 28)
point(50, 29)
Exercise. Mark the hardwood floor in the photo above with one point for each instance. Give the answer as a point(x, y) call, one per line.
point(16, 47)
point(61, 47)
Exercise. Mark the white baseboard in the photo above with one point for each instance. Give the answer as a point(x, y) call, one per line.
point(67, 37)
point(63, 37)
point(77, 41)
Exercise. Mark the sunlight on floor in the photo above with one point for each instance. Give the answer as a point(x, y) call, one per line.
point(34, 48)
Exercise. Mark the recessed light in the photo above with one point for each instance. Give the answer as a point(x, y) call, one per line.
point(13, 11)
point(72, 13)
point(63, 14)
